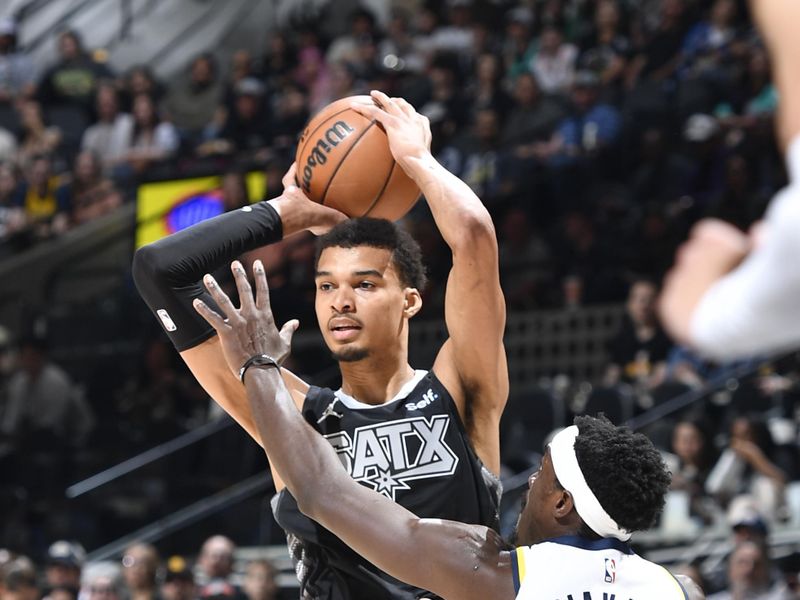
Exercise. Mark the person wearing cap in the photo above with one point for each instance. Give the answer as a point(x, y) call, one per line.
point(178, 581)
point(596, 485)
point(730, 294)
point(64, 563)
point(18, 580)
point(247, 126)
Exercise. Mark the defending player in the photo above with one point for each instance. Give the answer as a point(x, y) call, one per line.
point(596, 485)
point(429, 440)
point(729, 310)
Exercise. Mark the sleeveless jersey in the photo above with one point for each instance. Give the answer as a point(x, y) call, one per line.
point(575, 568)
point(414, 450)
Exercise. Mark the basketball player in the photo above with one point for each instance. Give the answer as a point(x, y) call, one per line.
point(597, 484)
point(429, 440)
point(731, 295)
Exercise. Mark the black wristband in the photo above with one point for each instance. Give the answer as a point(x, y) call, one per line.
point(259, 360)
point(168, 272)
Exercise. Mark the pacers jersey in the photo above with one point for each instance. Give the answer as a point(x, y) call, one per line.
point(414, 450)
point(576, 568)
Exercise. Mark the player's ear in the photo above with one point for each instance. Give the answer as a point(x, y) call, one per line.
point(412, 302)
point(564, 505)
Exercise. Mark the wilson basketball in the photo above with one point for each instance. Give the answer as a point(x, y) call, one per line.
point(344, 161)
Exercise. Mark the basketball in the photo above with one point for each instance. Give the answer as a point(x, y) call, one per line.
point(344, 161)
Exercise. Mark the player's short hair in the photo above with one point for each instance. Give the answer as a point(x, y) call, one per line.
point(379, 233)
point(624, 471)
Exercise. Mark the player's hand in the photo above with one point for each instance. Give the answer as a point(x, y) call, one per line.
point(299, 213)
point(408, 131)
point(713, 249)
point(249, 329)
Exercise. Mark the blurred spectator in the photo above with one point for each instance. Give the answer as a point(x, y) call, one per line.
point(738, 202)
point(139, 80)
point(746, 522)
point(524, 258)
point(400, 50)
point(19, 580)
point(110, 137)
point(12, 215)
point(637, 353)
point(35, 137)
point(44, 404)
point(592, 128)
point(259, 581)
point(216, 567)
point(63, 565)
point(456, 35)
point(476, 158)
point(246, 128)
point(533, 116)
point(656, 59)
point(152, 140)
point(747, 466)
point(45, 215)
point(749, 576)
point(486, 89)
point(519, 46)
point(103, 581)
point(344, 49)
point(17, 70)
point(290, 110)
point(234, 190)
point(89, 194)
point(709, 43)
point(61, 593)
point(161, 400)
point(690, 462)
point(280, 60)
point(606, 50)
point(178, 580)
point(192, 101)
point(554, 63)
point(242, 67)
point(140, 567)
point(74, 78)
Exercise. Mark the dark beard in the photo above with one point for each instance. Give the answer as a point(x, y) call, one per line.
point(350, 354)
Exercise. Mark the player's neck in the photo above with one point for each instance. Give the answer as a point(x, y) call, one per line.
point(375, 380)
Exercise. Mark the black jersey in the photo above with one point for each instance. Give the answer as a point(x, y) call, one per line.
point(413, 450)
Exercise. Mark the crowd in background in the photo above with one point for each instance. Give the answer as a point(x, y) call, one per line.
point(595, 133)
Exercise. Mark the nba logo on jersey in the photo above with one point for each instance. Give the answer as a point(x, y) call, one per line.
point(611, 570)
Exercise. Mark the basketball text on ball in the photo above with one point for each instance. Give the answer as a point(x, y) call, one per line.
point(319, 153)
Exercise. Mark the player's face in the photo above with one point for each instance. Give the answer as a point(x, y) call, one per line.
point(360, 301)
point(536, 522)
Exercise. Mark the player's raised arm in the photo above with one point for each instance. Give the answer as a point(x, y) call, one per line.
point(472, 363)
point(729, 310)
point(458, 561)
point(168, 276)
point(777, 21)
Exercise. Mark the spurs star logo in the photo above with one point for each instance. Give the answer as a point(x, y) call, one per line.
point(386, 456)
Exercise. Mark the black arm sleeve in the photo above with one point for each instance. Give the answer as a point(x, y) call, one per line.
point(168, 273)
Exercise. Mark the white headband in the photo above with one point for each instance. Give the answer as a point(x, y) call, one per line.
point(569, 474)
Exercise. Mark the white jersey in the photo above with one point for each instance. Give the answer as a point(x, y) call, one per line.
point(576, 568)
point(755, 309)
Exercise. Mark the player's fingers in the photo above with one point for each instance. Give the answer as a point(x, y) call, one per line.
point(214, 319)
point(288, 330)
point(242, 285)
point(404, 106)
point(262, 288)
point(386, 103)
point(371, 112)
point(220, 297)
point(290, 177)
